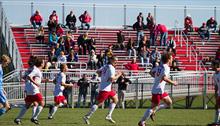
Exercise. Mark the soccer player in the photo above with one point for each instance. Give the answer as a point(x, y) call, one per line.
point(216, 78)
point(59, 98)
point(33, 92)
point(160, 74)
point(4, 104)
point(108, 76)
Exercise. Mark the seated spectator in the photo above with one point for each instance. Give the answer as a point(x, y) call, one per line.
point(120, 39)
point(131, 48)
point(85, 19)
point(150, 21)
point(53, 38)
point(70, 58)
point(52, 25)
point(91, 44)
point(139, 27)
point(54, 16)
point(57, 49)
point(204, 32)
point(61, 58)
point(68, 44)
point(144, 43)
point(51, 54)
point(40, 34)
point(82, 43)
point(61, 43)
point(71, 21)
point(172, 44)
point(59, 30)
point(212, 24)
point(92, 60)
point(109, 52)
point(162, 29)
point(133, 67)
point(101, 59)
point(217, 55)
point(143, 56)
point(155, 56)
point(188, 24)
point(175, 65)
point(36, 19)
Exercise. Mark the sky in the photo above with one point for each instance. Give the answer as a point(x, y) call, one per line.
point(111, 12)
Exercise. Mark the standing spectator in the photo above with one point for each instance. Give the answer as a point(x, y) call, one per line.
point(153, 36)
point(82, 43)
point(150, 21)
point(204, 32)
point(36, 19)
point(122, 82)
point(120, 39)
point(54, 16)
point(188, 24)
point(139, 27)
point(85, 19)
point(53, 38)
point(71, 21)
point(83, 84)
point(131, 48)
point(172, 44)
point(162, 29)
point(212, 24)
point(95, 80)
point(140, 17)
point(40, 34)
point(92, 60)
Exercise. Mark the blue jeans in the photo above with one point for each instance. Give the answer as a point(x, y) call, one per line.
point(83, 25)
point(140, 35)
point(35, 24)
point(163, 38)
point(80, 97)
point(94, 94)
point(152, 39)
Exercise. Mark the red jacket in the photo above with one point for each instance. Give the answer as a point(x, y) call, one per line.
point(132, 66)
point(85, 18)
point(36, 18)
point(55, 17)
point(188, 22)
point(161, 28)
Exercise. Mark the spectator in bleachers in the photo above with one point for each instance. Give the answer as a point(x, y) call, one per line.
point(155, 56)
point(69, 44)
point(144, 56)
point(95, 80)
point(91, 44)
point(212, 24)
point(52, 25)
point(61, 58)
point(40, 34)
point(58, 49)
point(150, 21)
point(92, 60)
point(122, 82)
point(108, 53)
point(140, 17)
point(130, 48)
point(153, 36)
point(120, 39)
point(175, 65)
point(132, 67)
point(139, 27)
point(71, 21)
point(83, 84)
point(59, 30)
point(217, 55)
point(61, 43)
point(36, 19)
point(101, 59)
point(82, 43)
point(54, 16)
point(144, 43)
point(76, 57)
point(85, 19)
point(70, 58)
point(162, 29)
point(172, 44)
point(188, 24)
point(204, 32)
point(51, 54)
point(53, 38)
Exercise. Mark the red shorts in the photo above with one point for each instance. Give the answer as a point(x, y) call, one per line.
point(59, 99)
point(34, 98)
point(157, 97)
point(103, 95)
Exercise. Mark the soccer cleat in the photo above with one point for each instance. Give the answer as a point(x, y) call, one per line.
point(86, 120)
point(50, 108)
point(35, 121)
point(152, 116)
point(17, 121)
point(141, 123)
point(50, 117)
point(109, 118)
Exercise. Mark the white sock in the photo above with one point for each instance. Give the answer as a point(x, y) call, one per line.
point(147, 114)
point(22, 112)
point(34, 110)
point(92, 110)
point(53, 111)
point(161, 106)
point(123, 105)
point(111, 109)
point(37, 113)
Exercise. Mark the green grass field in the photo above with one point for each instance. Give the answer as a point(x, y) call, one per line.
point(128, 117)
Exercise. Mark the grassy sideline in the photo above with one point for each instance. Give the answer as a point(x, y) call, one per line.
point(128, 117)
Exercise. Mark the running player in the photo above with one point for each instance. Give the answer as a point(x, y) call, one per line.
point(160, 74)
point(108, 75)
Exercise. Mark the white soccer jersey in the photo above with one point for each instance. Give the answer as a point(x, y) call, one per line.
point(31, 88)
point(159, 73)
point(58, 89)
point(106, 73)
point(216, 78)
